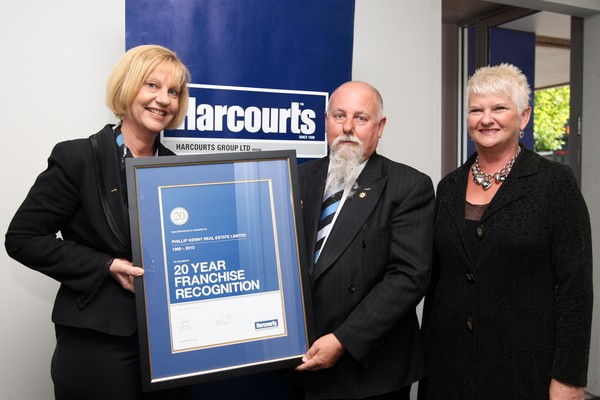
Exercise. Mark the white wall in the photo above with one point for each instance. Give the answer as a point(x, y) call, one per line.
point(590, 177)
point(397, 48)
point(56, 56)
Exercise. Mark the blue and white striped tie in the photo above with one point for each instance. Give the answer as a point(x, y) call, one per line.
point(328, 209)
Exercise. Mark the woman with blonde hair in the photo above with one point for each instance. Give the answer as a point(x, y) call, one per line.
point(82, 195)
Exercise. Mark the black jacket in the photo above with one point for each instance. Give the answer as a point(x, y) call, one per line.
point(501, 328)
point(66, 198)
point(371, 274)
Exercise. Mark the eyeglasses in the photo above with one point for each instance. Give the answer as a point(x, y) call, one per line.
point(340, 118)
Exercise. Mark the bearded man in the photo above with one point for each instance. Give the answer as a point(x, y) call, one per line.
point(368, 223)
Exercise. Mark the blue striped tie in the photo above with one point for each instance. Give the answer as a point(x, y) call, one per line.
point(328, 209)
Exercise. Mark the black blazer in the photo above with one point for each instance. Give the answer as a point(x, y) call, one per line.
point(500, 328)
point(371, 274)
point(66, 198)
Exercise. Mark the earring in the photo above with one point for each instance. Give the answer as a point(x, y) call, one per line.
point(521, 134)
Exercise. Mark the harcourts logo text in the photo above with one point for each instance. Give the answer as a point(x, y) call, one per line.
point(273, 323)
point(241, 113)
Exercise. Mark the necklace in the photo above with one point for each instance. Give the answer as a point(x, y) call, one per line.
point(485, 180)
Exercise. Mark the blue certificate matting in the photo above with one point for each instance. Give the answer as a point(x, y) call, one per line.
point(221, 265)
point(222, 287)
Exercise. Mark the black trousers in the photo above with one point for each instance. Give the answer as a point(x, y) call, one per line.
point(402, 394)
point(90, 365)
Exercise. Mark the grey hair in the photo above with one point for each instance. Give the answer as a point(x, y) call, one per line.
point(505, 80)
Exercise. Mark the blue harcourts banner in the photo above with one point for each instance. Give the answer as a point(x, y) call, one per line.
point(262, 70)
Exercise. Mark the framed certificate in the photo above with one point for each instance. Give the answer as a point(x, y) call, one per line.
point(221, 241)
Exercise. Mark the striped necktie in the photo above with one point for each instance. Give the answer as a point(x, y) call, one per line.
point(328, 209)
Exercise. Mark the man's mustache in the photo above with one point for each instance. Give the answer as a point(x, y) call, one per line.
point(346, 138)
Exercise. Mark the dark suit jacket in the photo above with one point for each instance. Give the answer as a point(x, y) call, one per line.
point(371, 274)
point(66, 197)
point(529, 296)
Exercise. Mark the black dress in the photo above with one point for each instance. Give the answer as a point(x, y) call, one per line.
point(509, 307)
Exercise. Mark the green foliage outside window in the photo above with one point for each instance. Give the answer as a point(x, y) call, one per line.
point(550, 118)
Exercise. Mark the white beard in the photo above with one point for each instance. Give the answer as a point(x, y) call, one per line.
point(344, 165)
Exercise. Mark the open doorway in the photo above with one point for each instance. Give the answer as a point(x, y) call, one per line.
point(555, 77)
point(551, 84)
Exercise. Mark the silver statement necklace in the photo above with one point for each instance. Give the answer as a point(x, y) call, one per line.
point(485, 180)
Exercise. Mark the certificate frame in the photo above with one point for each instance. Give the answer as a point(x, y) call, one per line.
point(225, 291)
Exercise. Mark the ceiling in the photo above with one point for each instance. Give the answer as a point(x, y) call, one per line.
point(551, 60)
point(454, 11)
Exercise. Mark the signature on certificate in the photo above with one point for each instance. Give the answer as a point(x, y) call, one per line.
point(185, 325)
point(224, 319)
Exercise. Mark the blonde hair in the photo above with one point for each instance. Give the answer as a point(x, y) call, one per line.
point(504, 80)
point(132, 70)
